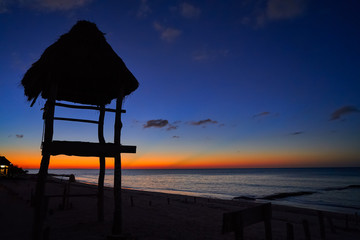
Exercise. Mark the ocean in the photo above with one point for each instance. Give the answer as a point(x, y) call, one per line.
point(331, 189)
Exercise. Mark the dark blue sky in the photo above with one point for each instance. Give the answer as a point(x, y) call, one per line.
point(239, 83)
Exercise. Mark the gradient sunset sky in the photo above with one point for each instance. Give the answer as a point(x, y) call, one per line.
point(246, 83)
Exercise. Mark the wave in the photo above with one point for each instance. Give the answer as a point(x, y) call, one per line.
point(281, 195)
point(342, 188)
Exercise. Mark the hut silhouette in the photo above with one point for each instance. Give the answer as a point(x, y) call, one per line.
point(80, 67)
point(5, 166)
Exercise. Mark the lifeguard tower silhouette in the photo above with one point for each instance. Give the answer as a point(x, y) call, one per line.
point(81, 67)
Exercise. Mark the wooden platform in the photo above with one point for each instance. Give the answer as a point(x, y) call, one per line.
point(86, 149)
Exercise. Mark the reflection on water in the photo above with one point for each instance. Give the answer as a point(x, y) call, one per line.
point(255, 183)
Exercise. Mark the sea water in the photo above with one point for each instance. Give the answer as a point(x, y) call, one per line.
point(331, 189)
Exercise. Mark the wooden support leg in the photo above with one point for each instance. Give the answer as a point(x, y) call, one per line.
point(117, 224)
point(39, 201)
point(102, 166)
point(40, 213)
point(100, 206)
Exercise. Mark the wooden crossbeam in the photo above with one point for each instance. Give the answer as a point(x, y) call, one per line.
point(72, 195)
point(76, 120)
point(85, 149)
point(86, 107)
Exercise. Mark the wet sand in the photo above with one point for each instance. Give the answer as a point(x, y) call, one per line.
point(149, 215)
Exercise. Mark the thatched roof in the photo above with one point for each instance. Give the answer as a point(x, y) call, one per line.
point(4, 161)
point(83, 65)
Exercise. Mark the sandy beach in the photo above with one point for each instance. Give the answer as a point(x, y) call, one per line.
point(149, 215)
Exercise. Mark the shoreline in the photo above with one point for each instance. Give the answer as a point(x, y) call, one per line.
point(275, 199)
point(150, 215)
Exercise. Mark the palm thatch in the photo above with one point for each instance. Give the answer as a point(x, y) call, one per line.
point(4, 161)
point(83, 66)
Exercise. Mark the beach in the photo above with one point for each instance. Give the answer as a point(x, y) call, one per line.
point(150, 215)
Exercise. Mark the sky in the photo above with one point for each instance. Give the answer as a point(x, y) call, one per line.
point(223, 84)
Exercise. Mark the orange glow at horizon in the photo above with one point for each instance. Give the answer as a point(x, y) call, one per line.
point(31, 160)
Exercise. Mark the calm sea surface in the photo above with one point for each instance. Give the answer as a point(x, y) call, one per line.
point(333, 189)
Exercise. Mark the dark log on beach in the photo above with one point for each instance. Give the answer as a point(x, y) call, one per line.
point(244, 198)
point(285, 195)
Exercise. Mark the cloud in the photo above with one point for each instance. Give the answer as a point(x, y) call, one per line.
point(3, 6)
point(189, 11)
point(158, 123)
point(166, 33)
point(19, 135)
point(175, 137)
point(297, 133)
point(337, 114)
point(44, 5)
point(262, 114)
point(171, 127)
point(144, 9)
point(285, 9)
point(202, 122)
point(206, 55)
point(273, 10)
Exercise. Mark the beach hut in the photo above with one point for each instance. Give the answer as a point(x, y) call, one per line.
point(5, 166)
point(82, 68)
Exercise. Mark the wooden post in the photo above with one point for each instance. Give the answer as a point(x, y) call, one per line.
point(332, 227)
point(100, 210)
point(306, 229)
point(237, 221)
point(289, 231)
point(321, 225)
point(48, 116)
point(117, 224)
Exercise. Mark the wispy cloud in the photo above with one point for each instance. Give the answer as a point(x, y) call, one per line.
point(16, 135)
point(189, 11)
point(297, 133)
point(158, 123)
point(175, 137)
point(273, 10)
point(203, 122)
point(43, 5)
point(285, 9)
point(3, 6)
point(167, 34)
point(206, 55)
point(171, 127)
point(262, 114)
point(144, 9)
point(337, 114)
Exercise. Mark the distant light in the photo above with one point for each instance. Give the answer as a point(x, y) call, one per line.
point(3, 166)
